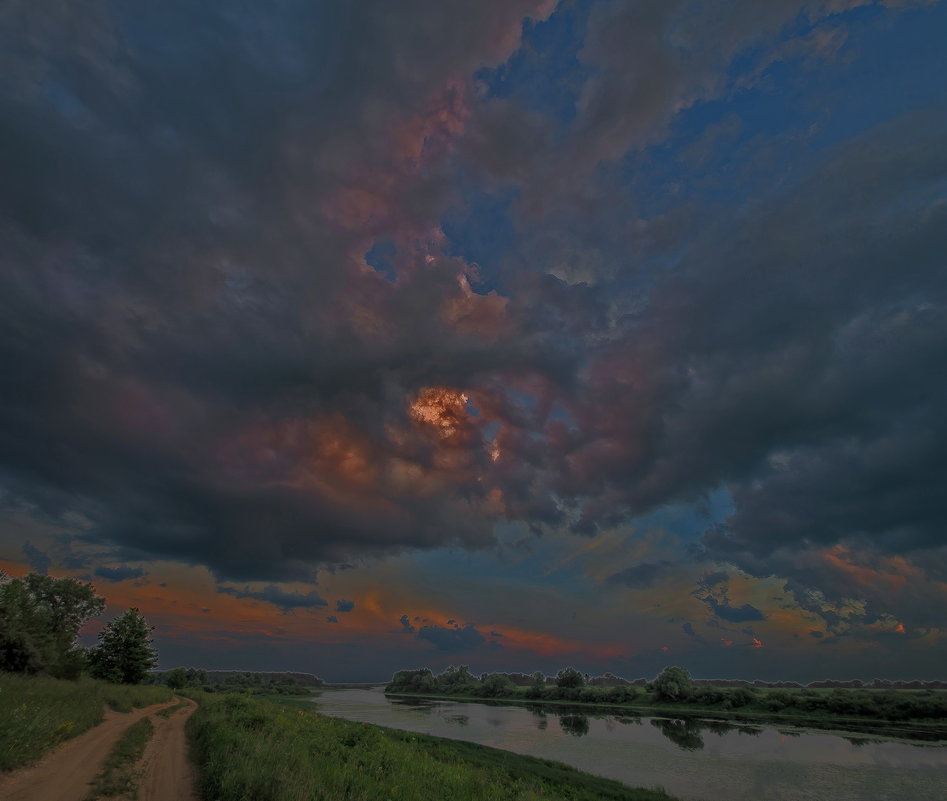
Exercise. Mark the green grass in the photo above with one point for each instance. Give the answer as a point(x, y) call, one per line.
point(38, 713)
point(252, 749)
point(118, 776)
point(169, 711)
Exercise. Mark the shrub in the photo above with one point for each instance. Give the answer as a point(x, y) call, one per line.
point(673, 684)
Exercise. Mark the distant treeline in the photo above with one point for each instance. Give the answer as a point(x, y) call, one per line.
point(674, 686)
point(257, 682)
point(610, 680)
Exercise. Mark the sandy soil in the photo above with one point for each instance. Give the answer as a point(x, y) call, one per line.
point(65, 773)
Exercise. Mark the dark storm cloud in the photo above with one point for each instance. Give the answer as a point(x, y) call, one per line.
point(406, 627)
point(174, 262)
point(119, 573)
point(735, 614)
point(332, 619)
point(277, 596)
point(184, 321)
point(642, 575)
point(795, 357)
point(344, 606)
point(452, 639)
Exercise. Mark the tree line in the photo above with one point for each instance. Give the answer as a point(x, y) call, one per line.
point(673, 685)
point(244, 681)
point(40, 619)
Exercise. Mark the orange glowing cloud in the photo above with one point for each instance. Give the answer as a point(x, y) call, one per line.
point(442, 410)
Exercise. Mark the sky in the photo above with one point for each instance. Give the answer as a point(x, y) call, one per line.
point(350, 337)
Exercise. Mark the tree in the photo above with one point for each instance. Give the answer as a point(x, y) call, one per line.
point(40, 618)
point(496, 685)
point(570, 677)
point(124, 654)
point(176, 679)
point(673, 684)
point(456, 676)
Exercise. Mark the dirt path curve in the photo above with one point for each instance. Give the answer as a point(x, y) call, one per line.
point(168, 775)
point(64, 774)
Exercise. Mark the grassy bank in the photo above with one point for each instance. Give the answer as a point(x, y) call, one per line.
point(38, 713)
point(246, 748)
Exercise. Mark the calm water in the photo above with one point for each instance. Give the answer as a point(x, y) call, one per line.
point(694, 760)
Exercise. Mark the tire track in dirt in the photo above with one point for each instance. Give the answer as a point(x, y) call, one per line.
point(65, 773)
point(168, 775)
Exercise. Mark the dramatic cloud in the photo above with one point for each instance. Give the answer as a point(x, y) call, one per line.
point(287, 291)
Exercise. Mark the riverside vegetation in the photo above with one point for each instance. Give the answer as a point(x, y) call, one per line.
point(249, 748)
point(674, 688)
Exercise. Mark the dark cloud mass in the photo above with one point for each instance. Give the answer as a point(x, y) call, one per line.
point(643, 575)
point(452, 639)
point(295, 288)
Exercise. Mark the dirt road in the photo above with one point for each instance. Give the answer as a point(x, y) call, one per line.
point(168, 774)
point(64, 774)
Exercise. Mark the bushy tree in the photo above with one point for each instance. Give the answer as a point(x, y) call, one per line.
point(40, 618)
point(456, 676)
point(124, 654)
point(570, 678)
point(673, 684)
point(496, 685)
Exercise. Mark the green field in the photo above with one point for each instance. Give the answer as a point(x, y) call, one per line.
point(39, 713)
point(253, 749)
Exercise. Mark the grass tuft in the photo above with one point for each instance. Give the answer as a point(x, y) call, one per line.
point(170, 710)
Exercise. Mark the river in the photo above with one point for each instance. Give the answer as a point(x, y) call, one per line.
point(695, 760)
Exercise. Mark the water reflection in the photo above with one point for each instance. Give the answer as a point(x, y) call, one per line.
point(458, 720)
point(685, 734)
point(576, 725)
